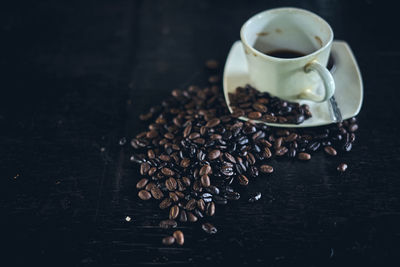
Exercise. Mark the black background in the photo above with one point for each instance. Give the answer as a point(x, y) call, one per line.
point(75, 75)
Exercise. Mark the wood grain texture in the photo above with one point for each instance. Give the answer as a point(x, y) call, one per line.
point(77, 75)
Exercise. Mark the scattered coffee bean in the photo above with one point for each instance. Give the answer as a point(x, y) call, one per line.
point(173, 212)
point(179, 237)
point(142, 183)
point(166, 224)
point(156, 192)
point(254, 198)
point(168, 240)
point(342, 167)
point(330, 151)
point(209, 228)
point(266, 168)
point(212, 64)
point(144, 195)
point(304, 156)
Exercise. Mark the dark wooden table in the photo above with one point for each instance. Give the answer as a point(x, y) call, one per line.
point(75, 75)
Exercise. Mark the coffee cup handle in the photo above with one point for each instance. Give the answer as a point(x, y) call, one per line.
point(326, 78)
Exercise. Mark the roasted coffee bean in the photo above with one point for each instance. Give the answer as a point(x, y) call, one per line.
point(191, 217)
point(165, 158)
point(342, 167)
point(187, 130)
point(243, 180)
point(260, 107)
point(213, 122)
point(151, 134)
point(179, 237)
point(166, 203)
point(206, 169)
point(209, 228)
point(168, 240)
point(183, 216)
point(232, 195)
point(353, 127)
point(166, 224)
point(266, 168)
point(212, 64)
point(313, 146)
point(142, 183)
point(198, 213)
point(191, 204)
point(173, 212)
point(255, 197)
point(213, 190)
point(179, 194)
point(214, 154)
point(210, 209)
point(152, 171)
point(205, 180)
point(193, 136)
point(156, 192)
point(144, 168)
point(281, 151)
point(167, 171)
point(201, 205)
point(304, 156)
point(144, 195)
point(330, 151)
point(347, 146)
point(220, 200)
point(185, 163)
point(254, 115)
point(186, 181)
point(171, 184)
point(173, 196)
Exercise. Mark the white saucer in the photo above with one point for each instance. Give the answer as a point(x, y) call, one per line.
point(348, 92)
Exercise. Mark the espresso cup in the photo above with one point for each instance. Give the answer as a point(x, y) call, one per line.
point(295, 30)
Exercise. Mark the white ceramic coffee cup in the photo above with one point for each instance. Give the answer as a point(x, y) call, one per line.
point(289, 78)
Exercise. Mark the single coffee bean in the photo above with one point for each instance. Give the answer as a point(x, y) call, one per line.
point(179, 237)
point(152, 171)
point(205, 180)
point(191, 217)
point(212, 64)
point(151, 134)
point(255, 197)
point(201, 205)
point(167, 171)
point(183, 216)
point(166, 224)
point(187, 130)
point(156, 192)
point(255, 115)
point(214, 154)
point(281, 151)
point(209, 228)
point(168, 240)
point(173, 212)
point(330, 151)
point(243, 180)
point(191, 204)
point(185, 163)
point(173, 196)
point(171, 184)
point(342, 167)
point(266, 168)
point(144, 195)
point(212, 123)
point(142, 183)
point(210, 209)
point(353, 127)
point(144, 168)
point(304, 156)
point(166, 203)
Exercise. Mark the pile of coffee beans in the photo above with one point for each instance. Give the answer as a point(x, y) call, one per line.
point(255, 105)
point(194, 154)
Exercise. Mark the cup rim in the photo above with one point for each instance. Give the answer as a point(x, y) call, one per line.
point(282, 9)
